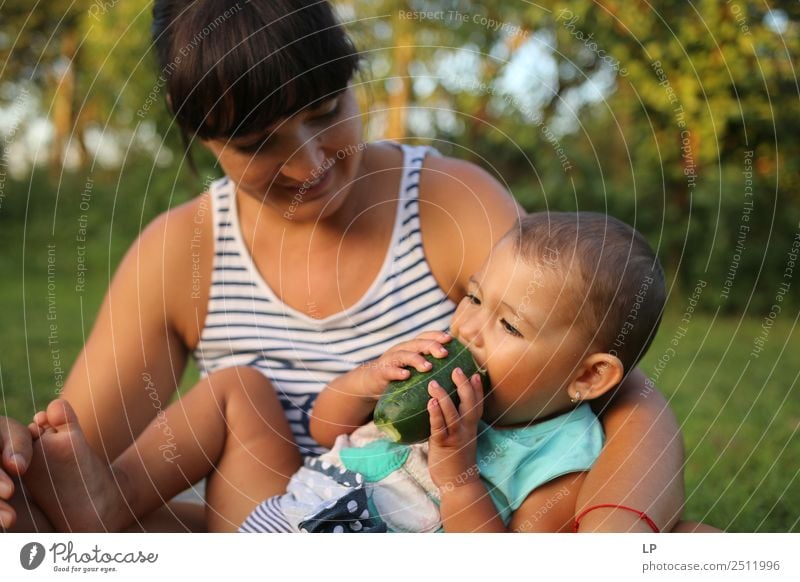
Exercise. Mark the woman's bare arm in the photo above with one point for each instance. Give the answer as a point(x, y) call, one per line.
point(136, 353)
point(641, 465)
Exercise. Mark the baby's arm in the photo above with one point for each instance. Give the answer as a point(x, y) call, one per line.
point(549, 508)
point(348, 402)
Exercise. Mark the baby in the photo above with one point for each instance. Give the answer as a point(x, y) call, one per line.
point(565, 305)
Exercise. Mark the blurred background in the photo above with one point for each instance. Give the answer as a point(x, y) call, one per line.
point(683, 121)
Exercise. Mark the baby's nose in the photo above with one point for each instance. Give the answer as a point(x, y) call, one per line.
point(468, 331)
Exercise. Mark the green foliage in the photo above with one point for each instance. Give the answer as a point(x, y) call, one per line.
point(117, 53)
point(29, 39)
point(695, 142)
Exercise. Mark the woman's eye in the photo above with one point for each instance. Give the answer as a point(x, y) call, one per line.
point(255, 146)
point(510, 328)
point(472, 299)
point(329, 114)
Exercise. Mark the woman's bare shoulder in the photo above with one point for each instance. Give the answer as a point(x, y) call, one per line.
point(456, 181)
point(180, 222)
point(462, 208)
point(173, 258)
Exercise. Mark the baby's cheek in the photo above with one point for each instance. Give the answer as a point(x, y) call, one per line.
point(497, 406)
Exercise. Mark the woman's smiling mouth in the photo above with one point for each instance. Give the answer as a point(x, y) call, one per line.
point(310, 189)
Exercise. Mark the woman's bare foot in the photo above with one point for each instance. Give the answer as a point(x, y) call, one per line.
point(69, 482)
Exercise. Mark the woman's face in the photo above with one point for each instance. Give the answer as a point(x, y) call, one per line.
point(305, 166)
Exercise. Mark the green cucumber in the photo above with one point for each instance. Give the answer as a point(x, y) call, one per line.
point(402, 411)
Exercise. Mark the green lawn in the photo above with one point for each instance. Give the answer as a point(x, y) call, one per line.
point(739, 413)
point(739, 416)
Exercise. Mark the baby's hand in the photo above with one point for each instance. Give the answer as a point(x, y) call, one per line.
point(392, 365)
point(454, 433)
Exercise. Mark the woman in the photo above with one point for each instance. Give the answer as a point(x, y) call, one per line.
point(315, 254)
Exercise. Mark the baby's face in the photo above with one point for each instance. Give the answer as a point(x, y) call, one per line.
point(518, 322)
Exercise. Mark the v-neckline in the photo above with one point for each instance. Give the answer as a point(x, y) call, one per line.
point(249, 263)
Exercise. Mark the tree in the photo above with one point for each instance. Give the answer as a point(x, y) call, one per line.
point(40, 52)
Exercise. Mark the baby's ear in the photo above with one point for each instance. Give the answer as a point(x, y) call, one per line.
point(598, 374)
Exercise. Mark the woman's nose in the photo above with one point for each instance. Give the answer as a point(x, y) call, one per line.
point(307, 163)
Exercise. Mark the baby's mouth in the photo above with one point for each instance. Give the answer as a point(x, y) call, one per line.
point(482, 369)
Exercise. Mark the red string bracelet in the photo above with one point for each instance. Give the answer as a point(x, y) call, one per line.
point(642, 515)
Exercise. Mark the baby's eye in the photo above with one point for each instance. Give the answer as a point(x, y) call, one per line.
point(472, 299)
point(510, 328)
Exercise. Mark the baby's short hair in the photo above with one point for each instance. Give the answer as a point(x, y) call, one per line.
point(616, 281)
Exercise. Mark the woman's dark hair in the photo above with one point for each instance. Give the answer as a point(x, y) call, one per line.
point(232, 68)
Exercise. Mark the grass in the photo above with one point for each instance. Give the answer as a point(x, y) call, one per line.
point(739, 417)
point(739, 413)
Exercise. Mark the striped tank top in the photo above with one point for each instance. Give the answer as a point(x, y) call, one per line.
point(248, 325)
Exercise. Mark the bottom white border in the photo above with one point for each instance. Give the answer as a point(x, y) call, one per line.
point(402, 558)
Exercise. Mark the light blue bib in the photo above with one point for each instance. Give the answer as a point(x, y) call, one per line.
point(515, 461)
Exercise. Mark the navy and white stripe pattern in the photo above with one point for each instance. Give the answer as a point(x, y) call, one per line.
point(268, 517)
point(248, 325)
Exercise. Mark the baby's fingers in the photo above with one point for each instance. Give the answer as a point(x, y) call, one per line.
point(438, 426)
point(448, 408)
point(394, 366)
point(470, 391)
point(392, 372)
point(441, 337)
point(466, 393)
point(424, 346)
